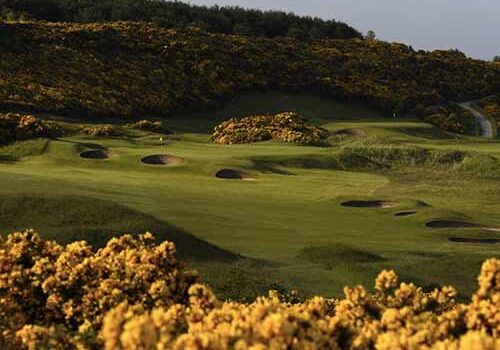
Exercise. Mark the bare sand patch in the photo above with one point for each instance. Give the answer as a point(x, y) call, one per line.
point(360, 133)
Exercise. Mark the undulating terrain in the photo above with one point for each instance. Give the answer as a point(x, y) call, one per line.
point(289, 220)
point(355, 156)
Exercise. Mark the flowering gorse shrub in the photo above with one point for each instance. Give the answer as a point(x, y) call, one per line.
point(133, 294)
point(149, 125)
point(101, 131)
point(45, 284)
point(288, 127)
point(15, 126)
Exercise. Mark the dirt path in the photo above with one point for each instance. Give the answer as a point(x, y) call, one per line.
point(487, 128)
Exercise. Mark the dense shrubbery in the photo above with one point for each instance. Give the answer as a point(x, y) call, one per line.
point(287, 127)
point(72, 287)
point(128, 70)
point(133, 294)
point(491, 105)
point(148, 125)
point(101, 131)
point(21, 127)
point(170, 14)
point(451, 118)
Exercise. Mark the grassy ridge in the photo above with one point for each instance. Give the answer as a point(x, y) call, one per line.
point(132, 70)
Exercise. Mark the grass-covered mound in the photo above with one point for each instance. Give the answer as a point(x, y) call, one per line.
point(15, 127)
point(133, 70)
point(397, 155)
point(134, 294)
point(287, 127)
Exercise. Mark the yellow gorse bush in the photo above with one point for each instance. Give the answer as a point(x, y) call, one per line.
point(44, 283)
point(15, 126)
point(287, 127)
point(107, 130)
point(149, 125)
point(134, 295)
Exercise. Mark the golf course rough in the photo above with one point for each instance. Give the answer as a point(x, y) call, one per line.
point(64, 297)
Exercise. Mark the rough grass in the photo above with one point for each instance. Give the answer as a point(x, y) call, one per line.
point(383, 158)
point(399, 155)
point(243, 280)
point(21, 149)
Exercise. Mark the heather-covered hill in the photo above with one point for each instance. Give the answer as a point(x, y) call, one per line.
point(129, 69)
point(177, 14)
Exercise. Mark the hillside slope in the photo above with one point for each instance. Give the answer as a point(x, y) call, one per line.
point(177, 14)
point(130, 69)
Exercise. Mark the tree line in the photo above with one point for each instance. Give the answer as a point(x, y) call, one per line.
point(174, 14)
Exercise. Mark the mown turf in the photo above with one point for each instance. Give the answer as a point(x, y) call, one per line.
point(292, 203)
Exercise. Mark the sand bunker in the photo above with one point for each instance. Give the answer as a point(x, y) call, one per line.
point(475, 240)
point(370, 204)
point(232, 174)
point(452, 224)
point(405, 213)
point(163, 159)
point(95, 154)
point(460, 224)
point(351, 133)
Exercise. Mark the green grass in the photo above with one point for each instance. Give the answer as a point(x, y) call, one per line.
point(293, 204)
point(332, 255)
point(69, 218)
point(21, 149)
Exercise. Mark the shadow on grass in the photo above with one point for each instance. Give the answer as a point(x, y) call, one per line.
point(329, 256)
point(7, 159)
point(90, 145)
point(428, 133)
point(275, 165)
point(67, 219)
